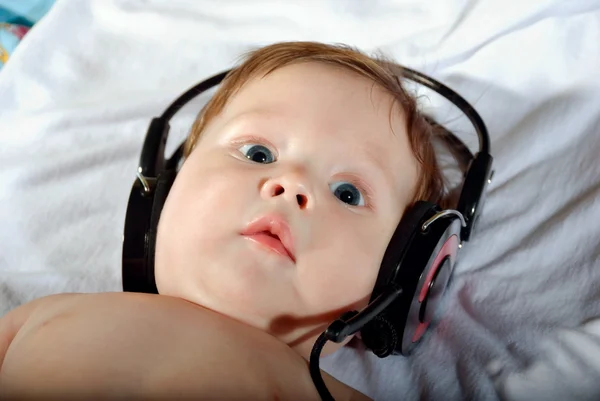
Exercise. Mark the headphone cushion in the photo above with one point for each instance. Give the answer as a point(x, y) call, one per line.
point(401, 240)
point(163, 186)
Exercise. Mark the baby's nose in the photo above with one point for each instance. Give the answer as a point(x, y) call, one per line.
point(292, 186)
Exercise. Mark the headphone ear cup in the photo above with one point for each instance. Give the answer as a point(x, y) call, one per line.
point(139, 239)
point(381, 334)
point(409, 225)
point(420, 262)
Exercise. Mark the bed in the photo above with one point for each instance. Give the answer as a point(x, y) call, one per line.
point(522, 315)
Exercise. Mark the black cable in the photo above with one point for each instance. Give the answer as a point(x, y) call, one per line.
point(315, 371)
point(349, 323)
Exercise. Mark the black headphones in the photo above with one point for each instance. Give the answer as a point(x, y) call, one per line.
point(416, 266)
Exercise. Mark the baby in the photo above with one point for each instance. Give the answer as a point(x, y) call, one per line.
point(297, 173)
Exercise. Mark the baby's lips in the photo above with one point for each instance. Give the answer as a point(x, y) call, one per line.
point(276, 225)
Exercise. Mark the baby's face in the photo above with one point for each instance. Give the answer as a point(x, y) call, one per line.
point(311, 149)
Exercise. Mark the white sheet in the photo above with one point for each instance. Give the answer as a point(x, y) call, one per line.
point(77, 96)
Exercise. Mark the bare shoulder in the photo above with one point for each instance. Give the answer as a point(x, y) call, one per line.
point(13, 322)
point(152, 345)
point(23, 312)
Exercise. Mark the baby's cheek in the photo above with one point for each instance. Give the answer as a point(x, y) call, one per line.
point(369, 247)
point(192, 221)
point(346, 272)
point(208, 200)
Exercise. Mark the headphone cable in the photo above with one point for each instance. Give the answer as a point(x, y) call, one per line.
point(315, 371)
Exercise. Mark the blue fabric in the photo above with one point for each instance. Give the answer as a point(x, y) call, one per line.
point(29, 10)
point(9, 17)
point(16, 18)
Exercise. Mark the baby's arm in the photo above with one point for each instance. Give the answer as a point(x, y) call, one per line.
point(13, 321)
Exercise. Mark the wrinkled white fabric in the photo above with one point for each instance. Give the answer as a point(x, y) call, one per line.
point(519, 318)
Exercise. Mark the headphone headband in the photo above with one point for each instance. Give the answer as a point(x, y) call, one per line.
point(152, 159)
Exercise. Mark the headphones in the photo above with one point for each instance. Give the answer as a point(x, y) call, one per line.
point(416, 266)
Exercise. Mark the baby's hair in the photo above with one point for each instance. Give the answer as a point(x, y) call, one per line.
point(382, 72)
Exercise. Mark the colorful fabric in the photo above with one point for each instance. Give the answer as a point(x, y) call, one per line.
point(16, 18)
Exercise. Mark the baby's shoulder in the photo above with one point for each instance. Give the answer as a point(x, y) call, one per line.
point(164, 344)
point(39, 309)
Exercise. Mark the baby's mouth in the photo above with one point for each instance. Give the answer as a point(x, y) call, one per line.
point(272, 242)
point(272, 231)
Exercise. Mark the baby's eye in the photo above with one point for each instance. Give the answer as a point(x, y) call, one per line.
point(347, 193)
point(257, 153)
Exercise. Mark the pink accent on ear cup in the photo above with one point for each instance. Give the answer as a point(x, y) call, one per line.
point(421, 329)
point(450, 248)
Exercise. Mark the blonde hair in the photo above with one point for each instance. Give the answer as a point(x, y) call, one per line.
point(267, 59)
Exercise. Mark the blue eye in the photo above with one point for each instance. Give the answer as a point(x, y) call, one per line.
point(347, 193)
point(257, 153)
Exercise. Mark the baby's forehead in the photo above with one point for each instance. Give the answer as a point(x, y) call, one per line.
point(317, 91)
